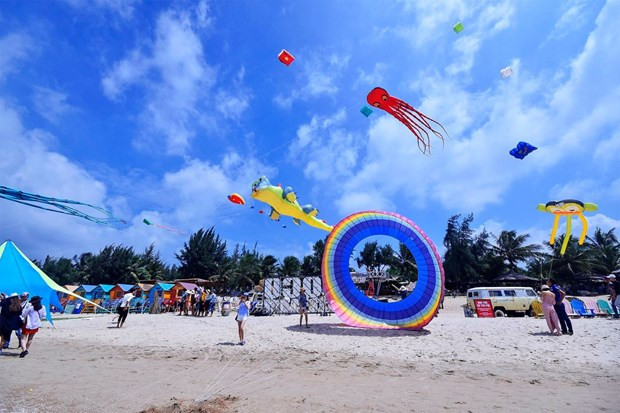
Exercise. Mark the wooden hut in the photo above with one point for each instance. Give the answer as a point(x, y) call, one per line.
point(161, 290)
point(102, 291)
point(142, 290)
point(180, 287)
point(86, 291)
point(119, 290)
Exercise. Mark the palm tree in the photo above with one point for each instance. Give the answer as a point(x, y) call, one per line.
point(575, 260)
point(604, 251)
point(511, 249)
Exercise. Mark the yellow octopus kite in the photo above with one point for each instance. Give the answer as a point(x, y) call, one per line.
point(568, 207)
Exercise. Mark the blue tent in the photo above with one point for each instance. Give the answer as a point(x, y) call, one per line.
point(19, 274)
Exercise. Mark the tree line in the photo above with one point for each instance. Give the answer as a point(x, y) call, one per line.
point(469, 258)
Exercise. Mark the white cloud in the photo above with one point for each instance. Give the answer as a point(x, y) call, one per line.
point(15, 48)
point(318, 77)
point(177, 83)
point(51, 104)
point(329, 151)
point(124, 8)
point(371, 79)
point(573, 18)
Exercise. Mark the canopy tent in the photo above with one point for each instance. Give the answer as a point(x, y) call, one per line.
point(19, 274)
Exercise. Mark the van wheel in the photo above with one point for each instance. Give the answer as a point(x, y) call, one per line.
point(530, 312)
point(500, 313)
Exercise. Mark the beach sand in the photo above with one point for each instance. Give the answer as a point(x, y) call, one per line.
point(166, 362)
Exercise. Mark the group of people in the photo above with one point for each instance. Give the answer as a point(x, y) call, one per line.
point(552, 297)
point(21, 315)
point(199, 302)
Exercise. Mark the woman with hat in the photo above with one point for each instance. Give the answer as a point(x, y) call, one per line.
point(548, 300)
point(10, 311)
point(33, 315)
point(303, 306)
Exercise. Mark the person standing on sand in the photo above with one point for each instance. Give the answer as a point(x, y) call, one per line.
point(303, 306)
point(33, 314)
point(559, 306)
point(548, 299)
point(242, 315)
point(10, 312)
point(212, 301)
point(612, 290)
point(123, 308)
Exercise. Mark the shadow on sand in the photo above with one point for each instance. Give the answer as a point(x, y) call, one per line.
point(227, 343)
point(339, 329)
point(544, 334)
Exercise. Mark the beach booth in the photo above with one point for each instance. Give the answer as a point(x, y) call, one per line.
point(85, 290)
point(102, 292)
point(142, 290)
point(19, 274)
point(161, 290)
point(119, 290)
point(180, 288)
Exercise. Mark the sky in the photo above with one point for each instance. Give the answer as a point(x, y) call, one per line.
point(159, 110)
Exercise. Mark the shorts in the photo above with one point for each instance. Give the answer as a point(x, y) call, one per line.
point(303, 309)
point(30, 332)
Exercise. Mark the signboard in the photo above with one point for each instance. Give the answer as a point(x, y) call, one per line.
point(484, 308)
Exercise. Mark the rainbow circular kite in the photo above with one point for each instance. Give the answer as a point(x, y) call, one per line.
point(352, 305)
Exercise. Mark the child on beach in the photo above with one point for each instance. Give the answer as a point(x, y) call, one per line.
point(33, 314)
point(242, 315)
point(548, 300)
point(303, 306)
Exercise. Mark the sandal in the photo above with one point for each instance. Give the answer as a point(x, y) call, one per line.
point(23, 354)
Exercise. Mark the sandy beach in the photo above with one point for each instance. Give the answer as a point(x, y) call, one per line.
point(456, 364)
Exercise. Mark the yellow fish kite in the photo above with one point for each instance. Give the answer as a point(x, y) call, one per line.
point(284, 202)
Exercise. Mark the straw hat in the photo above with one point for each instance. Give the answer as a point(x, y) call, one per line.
point(545, 288)
point(13, 295)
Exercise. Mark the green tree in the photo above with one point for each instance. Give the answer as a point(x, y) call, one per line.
point(510, 249)
point(202, 255)
point(604, 251)
point(575, 260)
point(290, 267)
point(460, 264)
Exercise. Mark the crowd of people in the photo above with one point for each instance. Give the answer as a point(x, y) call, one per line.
point(20, 315)
point(199, 302)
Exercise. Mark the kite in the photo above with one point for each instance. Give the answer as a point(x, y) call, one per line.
point(285, 57)
point(60, 206)
point(567, 207)
point(506, 72)
point(353, 306)
point(366, 111)
point(284, 202)
point(148, 222)
point(522, 150)
point(413, 119)
point(458, 27)
point(236, 199)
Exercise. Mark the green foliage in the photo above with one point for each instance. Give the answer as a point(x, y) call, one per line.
point(469, 258)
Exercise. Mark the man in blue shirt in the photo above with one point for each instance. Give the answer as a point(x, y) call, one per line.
point(559, 307)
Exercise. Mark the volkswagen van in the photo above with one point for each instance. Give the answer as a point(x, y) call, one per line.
point(506, 300)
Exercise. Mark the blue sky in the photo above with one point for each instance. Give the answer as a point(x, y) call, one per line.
point(161, 109)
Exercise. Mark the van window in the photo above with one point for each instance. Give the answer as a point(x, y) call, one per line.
point(530, 293)
point(495, 293)
point(476, 294)
point(510, 293)
point(469, 294)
